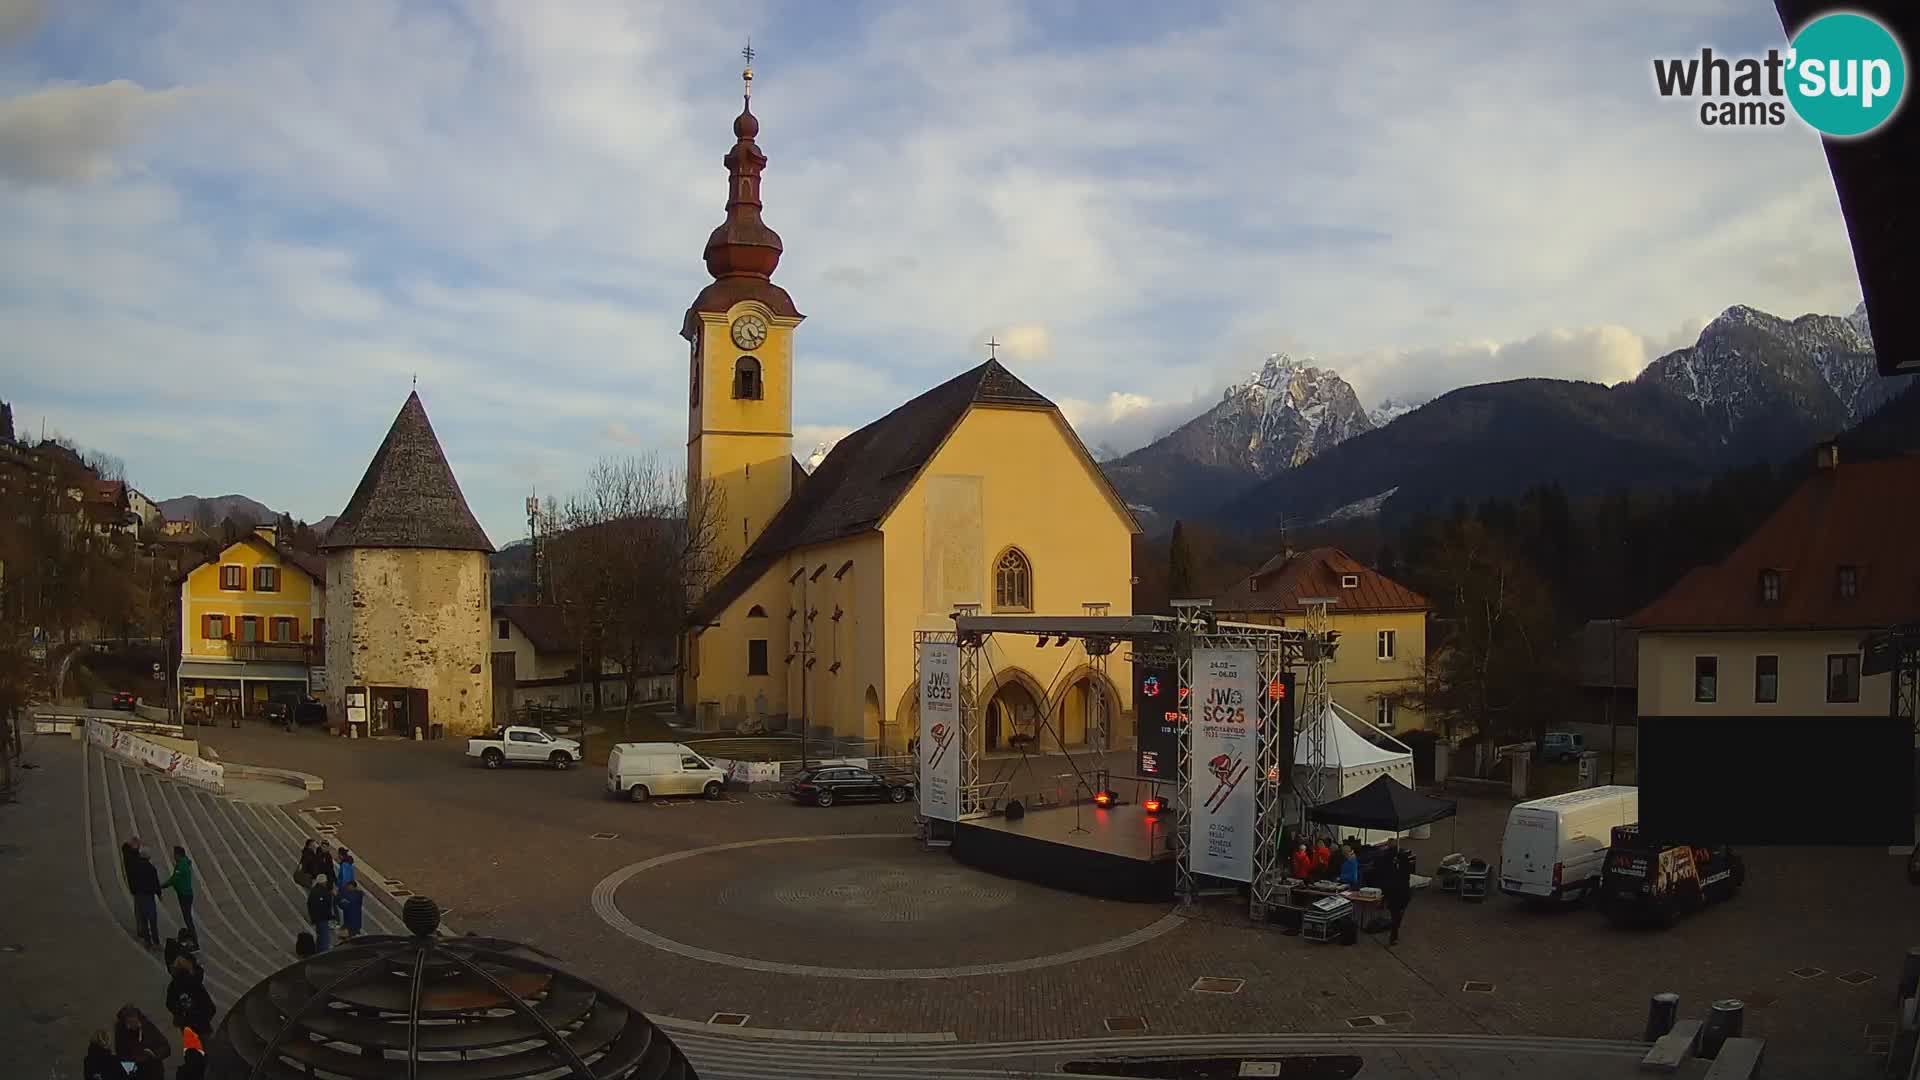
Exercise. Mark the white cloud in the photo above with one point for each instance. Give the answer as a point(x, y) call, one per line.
point(510, 203)
point(19, 19)
point(67, 134)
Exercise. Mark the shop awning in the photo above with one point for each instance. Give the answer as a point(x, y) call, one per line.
point(258, 671)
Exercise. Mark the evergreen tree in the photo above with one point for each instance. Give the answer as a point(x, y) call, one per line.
point(1179, 565)
point(6, 423)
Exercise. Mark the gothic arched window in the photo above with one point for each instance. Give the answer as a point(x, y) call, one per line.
point(1013, 582)
point(746, 379)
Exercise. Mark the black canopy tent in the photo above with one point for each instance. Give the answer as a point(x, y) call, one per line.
point(1386, 804)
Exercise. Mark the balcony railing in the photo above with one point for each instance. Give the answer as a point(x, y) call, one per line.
point(282, 652)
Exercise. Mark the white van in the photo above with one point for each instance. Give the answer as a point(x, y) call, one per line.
point(642, 770)
point(1554, 847)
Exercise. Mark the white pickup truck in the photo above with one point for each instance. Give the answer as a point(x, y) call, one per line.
point(523, 746)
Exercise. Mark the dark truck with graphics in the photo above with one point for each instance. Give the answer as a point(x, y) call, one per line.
point(1649, 882)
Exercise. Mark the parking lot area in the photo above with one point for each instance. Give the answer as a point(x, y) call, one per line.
point(835, 919)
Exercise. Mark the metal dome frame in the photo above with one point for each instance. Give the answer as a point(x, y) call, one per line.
point(297, 1007)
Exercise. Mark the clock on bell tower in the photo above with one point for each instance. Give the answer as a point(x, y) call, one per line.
point(740, 370)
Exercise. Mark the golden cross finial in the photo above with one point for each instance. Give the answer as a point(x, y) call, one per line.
point(746, 76)
point(993, 349)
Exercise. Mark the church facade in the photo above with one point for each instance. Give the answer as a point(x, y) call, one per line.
point(975, 493)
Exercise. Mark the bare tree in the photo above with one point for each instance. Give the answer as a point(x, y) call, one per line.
point(627, 557)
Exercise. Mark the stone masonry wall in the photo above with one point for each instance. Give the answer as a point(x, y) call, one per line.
point(405, 617)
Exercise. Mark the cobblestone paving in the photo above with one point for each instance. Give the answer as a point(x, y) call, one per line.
point(510, 852)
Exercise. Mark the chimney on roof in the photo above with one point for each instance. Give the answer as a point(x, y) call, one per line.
point(1826, 456)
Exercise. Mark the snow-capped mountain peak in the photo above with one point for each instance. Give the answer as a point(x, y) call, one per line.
point(820, 451)
point(1391, 409)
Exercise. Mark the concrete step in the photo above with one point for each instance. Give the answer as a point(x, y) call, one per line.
point(114, 802)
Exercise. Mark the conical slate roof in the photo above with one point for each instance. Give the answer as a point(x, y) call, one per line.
point(408, 498)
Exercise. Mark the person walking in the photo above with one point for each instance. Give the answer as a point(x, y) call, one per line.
point(129, 855)
point(1398, 887)
point(137, 1042)
point(187, 998)
point(320, 912)
point(351, 900)
point(181, 882)
point(309, 866)
point(144, 880)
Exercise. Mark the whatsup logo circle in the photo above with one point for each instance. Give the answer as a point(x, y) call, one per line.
point(1846, 74)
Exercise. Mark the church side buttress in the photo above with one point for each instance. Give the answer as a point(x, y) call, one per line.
point(740, 366)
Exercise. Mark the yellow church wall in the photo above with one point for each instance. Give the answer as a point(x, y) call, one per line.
point(1005, 477)
point(746, 445)
point(723, 690)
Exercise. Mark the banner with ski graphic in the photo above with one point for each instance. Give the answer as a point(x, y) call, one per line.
point(1226, 685)
point(939, 787)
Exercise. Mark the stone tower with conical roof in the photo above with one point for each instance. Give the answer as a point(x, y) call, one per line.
point(407, 595)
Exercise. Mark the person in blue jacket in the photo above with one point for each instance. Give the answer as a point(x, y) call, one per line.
point(1349, 867)
point(351, 899)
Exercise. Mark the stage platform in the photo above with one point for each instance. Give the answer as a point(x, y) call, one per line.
point(1120, 853)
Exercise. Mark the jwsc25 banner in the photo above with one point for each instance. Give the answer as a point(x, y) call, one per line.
point(1226, 684)
point(939, 787)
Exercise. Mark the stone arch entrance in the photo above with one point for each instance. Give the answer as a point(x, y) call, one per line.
point(1068, 710)
point(1016, 707)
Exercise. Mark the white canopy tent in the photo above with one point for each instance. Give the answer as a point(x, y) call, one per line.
point(1353, 762)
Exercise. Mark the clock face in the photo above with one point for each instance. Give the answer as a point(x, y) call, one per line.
point(749, 331)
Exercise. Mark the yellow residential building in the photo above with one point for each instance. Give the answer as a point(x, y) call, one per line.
point(1382, 626)
point(252, 624)
point(977, 492)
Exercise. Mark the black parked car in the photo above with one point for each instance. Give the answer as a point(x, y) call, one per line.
point(304, 709)
point(846, 783)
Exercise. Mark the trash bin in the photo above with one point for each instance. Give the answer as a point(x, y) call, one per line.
point(1725, 1021)
point(1661, 1014)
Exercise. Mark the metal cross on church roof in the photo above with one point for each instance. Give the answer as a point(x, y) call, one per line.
point(993, 349)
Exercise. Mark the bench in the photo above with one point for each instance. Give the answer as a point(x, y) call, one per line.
point(1737, 1060)
point(1671, 1049)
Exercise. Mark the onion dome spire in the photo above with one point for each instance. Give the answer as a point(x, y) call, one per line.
point(743, 245)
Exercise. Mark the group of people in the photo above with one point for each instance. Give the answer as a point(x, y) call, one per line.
point(333, 893)
point(144, 882)
point(1321, 861)
point(137, 1049)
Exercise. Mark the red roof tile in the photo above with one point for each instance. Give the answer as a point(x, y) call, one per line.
point(1865, 516)
point(1280, 583)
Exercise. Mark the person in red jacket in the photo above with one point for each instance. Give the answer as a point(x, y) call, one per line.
point(1302, 862)
point(1322, 860)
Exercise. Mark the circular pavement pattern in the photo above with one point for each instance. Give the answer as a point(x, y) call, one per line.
point(857, 892)
point(866, 891)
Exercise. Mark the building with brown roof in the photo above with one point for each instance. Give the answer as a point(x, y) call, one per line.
point(1382, 626)
point(536, 665)
point(408, 594)
point(976, 492)
point(252, 624)
point(1776, 627)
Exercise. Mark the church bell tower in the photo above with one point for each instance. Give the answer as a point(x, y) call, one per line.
point(740, 366)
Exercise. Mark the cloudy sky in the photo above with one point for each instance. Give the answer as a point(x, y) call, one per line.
point(238, 231)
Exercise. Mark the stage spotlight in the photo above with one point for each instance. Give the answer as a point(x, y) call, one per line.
point(1154, 804)
point(1105, 798)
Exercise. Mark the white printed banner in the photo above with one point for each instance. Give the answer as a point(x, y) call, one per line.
point(939, 787)
point(1226, 688)
point(125, 744)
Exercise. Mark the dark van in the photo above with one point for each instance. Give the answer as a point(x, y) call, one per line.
point(1646, 882)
